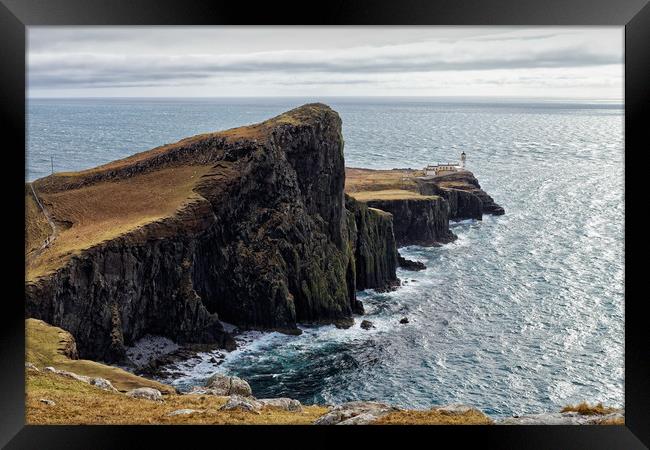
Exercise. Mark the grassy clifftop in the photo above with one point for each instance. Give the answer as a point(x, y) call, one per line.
point(112, 200)
point(99, 212)
point(47, 345)
point(360, 181)
point(80, 403)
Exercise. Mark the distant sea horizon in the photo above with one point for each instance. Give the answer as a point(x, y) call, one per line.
point(454, 98)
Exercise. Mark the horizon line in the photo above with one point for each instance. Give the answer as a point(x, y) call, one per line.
point(423, 97)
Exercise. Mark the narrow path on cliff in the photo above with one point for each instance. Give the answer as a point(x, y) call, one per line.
point(48, 241)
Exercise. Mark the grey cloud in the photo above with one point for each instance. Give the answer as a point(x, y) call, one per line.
point(86, 58)
point(92, 69)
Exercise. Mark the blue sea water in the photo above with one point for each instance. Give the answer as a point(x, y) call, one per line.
point(524, 313)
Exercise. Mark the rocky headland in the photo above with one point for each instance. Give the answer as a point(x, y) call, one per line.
point(261, 227)
point(250, 226)
point(254, 226)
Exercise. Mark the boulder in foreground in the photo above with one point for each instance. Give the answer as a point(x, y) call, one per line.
point(146, 393)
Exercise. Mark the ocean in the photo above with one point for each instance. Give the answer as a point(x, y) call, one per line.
point(524, 313)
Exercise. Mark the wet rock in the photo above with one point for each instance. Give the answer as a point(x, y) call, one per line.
point(418, 221)
point(410, 265)
point(146, 393)
point(219, 384)
point(404, 320)
point(286, 404)
point(369, 411)
point(373, 243)
point(344, 324)
point(47, 402)
point(463, 193)
point(366, 324)
point(237, 402)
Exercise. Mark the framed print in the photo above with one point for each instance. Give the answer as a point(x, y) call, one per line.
point(407, 218)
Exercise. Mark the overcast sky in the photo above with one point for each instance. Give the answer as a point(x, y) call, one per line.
point(547, 62)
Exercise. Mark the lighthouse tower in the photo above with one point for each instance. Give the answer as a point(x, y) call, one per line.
point(462, 160)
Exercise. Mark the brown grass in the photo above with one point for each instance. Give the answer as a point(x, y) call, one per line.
point(433, 417)
point(80, 403)
point(388, 194)
point(455, 185)
point(37, 229)
point(617, 421)
point(105, 210)
point(46, 346)
point(586, 409)
point(98, 204)
point(359, 180)
point(257, 131)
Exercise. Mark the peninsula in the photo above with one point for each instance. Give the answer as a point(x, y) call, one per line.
point(250, 226)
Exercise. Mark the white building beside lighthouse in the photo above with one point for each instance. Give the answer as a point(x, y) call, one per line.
point(439, 169)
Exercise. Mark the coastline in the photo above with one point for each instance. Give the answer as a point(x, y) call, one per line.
point(363, 234)
point(61, 396)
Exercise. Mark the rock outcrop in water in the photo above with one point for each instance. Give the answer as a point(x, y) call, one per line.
point(263, 239)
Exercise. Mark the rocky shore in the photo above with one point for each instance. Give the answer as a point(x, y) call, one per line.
point(56, 395)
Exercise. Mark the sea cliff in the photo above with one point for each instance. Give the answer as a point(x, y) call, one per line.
point(421, 206)
point(249, 226)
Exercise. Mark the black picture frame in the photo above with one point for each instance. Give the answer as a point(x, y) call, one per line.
point(16, 15)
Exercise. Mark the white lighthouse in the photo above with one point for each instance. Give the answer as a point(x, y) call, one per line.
point(462, 160)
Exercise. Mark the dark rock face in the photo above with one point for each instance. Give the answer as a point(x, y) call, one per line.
point(410, 265)
point(464, 195)
point(418, 221)
point(279, 253)
point(373, 246)
point(269, 242)
point(117, 293)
